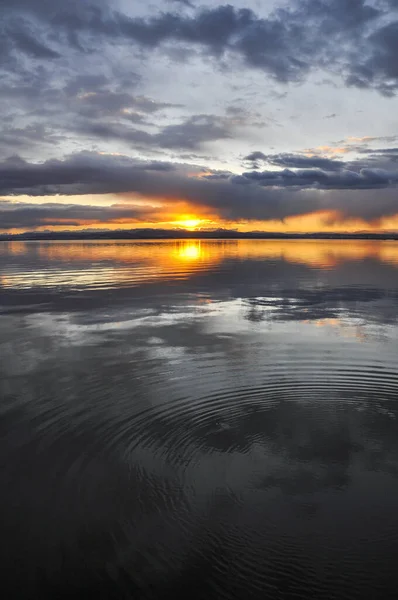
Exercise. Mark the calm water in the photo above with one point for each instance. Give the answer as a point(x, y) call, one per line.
point(209, 420)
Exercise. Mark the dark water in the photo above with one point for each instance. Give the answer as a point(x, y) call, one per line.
point(205, 420)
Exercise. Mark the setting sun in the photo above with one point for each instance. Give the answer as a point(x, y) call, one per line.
point(189, 223)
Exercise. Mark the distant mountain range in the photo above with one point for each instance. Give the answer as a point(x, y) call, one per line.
point(180, 234)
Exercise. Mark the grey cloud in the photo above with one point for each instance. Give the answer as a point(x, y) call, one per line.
point(295, 161)
point(148, 105)
point(283, 44)
point(376, 65)
point(90, 173)
point(25, 215)
point(336, 35)
point(254, 156)
point(190, 134)
point(379, 151)
point(252, 195)
point(26, 42)
point(339, 15)
point(85, 83)
point(48, 10)
point(184, 2)
point(366, 139)
point(255, 159)
point(87, 106)
point(96, 104)
point(29, 25)
point(312, 177)
point(33, 134)
point(102, 113)
point(195, 131)
point(103, 102)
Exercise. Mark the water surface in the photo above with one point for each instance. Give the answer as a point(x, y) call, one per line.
point(203, 419)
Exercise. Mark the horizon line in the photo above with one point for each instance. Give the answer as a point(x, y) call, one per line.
point(158, 234)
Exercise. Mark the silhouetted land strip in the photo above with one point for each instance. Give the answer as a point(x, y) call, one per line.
point(164, 234)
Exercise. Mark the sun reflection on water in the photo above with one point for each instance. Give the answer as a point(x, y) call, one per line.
point(88, 264)
point(189, 251)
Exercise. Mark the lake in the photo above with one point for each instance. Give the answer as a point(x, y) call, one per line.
point(199, 419)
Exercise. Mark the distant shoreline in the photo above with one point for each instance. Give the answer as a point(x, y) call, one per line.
point(163, 234)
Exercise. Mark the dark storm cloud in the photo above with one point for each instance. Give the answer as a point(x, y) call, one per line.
point(382, 151)
point(85, 83)
point(194, 131)
point(255, 156)
point(48, 9)
point(369, 194)
point(27, 136)
point(103, 102)
point(284, 45)
point(29, 216)
point(306, 162)
point(99, 99)
point(255, 159)
point(287, 44)
point(295, 161)
point(85, 105)
point(190, 134)
point(376, 66)
point(184, 2)
point(313, 177)
point(339, 15)
point(25, 41)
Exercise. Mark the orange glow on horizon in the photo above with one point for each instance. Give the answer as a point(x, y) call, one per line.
point(182, 215)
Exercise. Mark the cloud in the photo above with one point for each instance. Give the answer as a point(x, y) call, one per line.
point(22, 215)
point(368, 194)
point(295, 161)
point(191, 134)
point(387, 151)
point(70, 70)
point(366, 178)
point(91, 75)
point(95, 104)
point(184, 2)
point(255, 159)
point(195, 131)
point(25, 41)
point(376, 65)
point(254, 156)
point(287, 45)
point(27, 136)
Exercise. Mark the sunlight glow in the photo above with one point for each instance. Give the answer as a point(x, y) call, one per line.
point(189, 223)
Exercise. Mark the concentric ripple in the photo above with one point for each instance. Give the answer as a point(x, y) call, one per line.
point(209, 421)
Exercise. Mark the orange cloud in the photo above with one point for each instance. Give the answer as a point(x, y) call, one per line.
point(365, 139)
point(186, 216)
point(327, 150)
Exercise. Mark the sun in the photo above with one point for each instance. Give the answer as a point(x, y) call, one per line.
point(189, 223)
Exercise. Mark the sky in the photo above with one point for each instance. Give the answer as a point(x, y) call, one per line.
point(263, 115)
